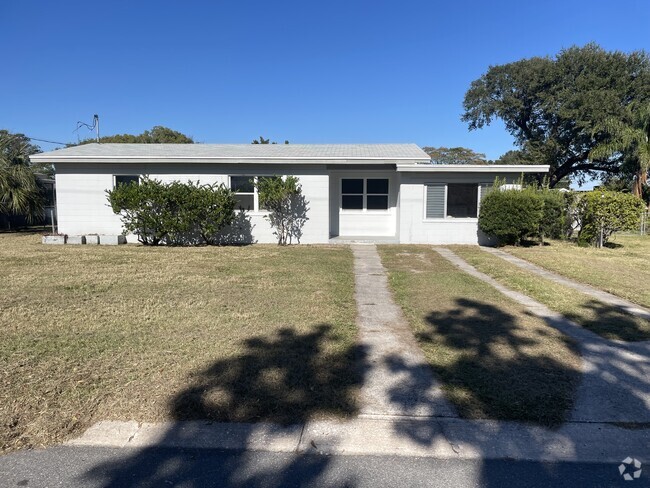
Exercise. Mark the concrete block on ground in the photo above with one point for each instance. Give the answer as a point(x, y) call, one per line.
point(54, 239)
point(76, 240)
point(92, 239)
point(108, 240)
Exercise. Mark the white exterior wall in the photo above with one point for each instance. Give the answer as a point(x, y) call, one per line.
point(415, 228)
point(359, 223)
point(83, 208)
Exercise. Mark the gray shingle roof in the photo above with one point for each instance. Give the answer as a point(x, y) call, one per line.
point(237, 151)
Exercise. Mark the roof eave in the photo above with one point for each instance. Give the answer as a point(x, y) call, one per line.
point(473, 168)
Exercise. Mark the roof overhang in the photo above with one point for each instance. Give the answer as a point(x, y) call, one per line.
point(53, 159)
point(473, 168)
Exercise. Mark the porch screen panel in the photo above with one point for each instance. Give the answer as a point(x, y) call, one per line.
point(435, 204)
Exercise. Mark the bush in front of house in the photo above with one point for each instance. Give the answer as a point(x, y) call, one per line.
point(603, 212)
point(287, 207)
point(173, 213)
point(553, 222)
point(511, 215)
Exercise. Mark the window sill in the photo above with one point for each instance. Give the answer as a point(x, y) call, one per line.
point(363, 212)
point(452, 220)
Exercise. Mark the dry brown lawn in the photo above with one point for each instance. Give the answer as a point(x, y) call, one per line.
point(495, 360)
point(224, 333)
point(621, 269)
point(605, 320)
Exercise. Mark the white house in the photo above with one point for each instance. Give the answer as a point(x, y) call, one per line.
point(354, 192)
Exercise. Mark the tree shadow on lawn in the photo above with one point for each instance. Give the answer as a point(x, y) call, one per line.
point(498, 368)
point(612, 323)
point(285, 378)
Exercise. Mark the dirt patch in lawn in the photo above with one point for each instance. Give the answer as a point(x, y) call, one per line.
point(150, 334)
point(494, 359)
point(605, 320)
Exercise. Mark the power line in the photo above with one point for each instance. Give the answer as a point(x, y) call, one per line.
point(45, 140)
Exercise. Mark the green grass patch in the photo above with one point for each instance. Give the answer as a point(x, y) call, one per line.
point(223, 333)
point(621, 269)
point(605, 320)
point(494, 359)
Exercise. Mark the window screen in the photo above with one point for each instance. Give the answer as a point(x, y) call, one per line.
point(462, 200)
point(352, 193)
point(244, 186)
point(126, 179)
point(368, 193)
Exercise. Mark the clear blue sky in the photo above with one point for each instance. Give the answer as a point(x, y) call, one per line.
point(308, 71)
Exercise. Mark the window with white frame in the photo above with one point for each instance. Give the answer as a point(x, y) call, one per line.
point(245, 189)
point(452, 200)
point(364, 193)
point(125, 180)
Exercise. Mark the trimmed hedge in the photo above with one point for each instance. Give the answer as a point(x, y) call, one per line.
point(173, 213)
point(511, 215)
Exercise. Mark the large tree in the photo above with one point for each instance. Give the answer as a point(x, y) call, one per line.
point(552, 106)
point(157, 135)
point(454, 155)
point(20, 192)
point(629, 137)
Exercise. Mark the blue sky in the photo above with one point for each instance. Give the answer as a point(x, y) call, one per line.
point(307, 71)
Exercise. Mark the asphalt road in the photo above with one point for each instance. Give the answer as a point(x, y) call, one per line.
point(72, 467)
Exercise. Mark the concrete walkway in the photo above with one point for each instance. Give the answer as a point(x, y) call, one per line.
point(600, 295)
point(615, 385)
point(397, 380)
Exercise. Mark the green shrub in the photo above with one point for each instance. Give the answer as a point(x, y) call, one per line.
point(173, 213)
point(554, 214)
point(287, 207)
point(511, 215)
point(604, 212)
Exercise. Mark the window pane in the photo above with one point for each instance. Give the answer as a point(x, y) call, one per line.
point(126, 179)
point(242, 184)
point(462, 200)
point(377, 186)
point(245, 202)
point(352, 185)
point(377, 202)
point(352, 202)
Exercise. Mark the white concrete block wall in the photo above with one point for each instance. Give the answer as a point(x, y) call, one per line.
point(414, 228)
point(83, 208)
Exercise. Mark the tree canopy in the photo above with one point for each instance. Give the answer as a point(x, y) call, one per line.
point(157, 135)
point(455, 155)
point(556, 108)
point(261, 140)
point(20, 191)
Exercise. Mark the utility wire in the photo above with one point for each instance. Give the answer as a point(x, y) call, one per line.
point(45, 140)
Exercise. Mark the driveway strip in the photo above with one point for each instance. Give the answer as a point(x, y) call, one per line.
point(600, 295)
point(397, 379)
point(615, 384)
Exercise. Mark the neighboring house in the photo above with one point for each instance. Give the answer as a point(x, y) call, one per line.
point(380, 192)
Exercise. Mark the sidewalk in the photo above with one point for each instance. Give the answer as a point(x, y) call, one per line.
point(442, 438)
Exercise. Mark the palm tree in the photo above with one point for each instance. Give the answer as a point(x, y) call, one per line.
point(20, 192)
point(631, 138)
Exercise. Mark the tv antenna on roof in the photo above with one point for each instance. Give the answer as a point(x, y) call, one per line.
point(94, 126)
